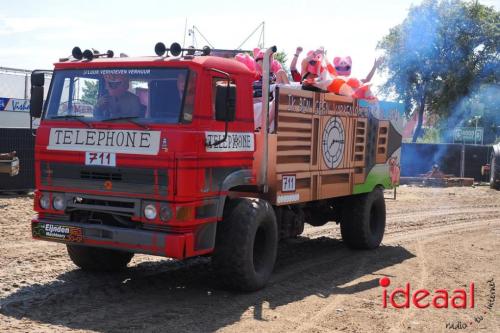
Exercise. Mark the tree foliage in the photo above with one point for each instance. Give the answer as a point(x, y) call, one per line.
point(442, 57)
point(90, 92)
point(282, 58)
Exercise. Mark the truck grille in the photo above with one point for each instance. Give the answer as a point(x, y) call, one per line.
point(100, 175)
point(123, 179)
point(120, 206)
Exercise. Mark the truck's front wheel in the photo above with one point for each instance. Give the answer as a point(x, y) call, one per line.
point(97, 259)
point(246, 244)
point(362, 222)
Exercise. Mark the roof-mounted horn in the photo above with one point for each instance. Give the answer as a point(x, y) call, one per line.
point(176, 50)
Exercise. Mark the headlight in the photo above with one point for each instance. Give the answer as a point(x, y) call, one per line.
point(45, 201)
point(58, 202)
point(165, 213)
point(150, 211)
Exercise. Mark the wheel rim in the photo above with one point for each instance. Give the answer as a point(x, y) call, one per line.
point(260, 249)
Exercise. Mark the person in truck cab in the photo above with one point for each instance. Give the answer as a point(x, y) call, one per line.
point(118, 101)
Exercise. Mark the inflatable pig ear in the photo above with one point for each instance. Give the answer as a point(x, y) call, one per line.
point(247, 60)
point(276, 66)
point(258, 54)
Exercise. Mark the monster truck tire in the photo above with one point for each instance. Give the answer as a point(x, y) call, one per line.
point(246, 244)
point(97, 259)
point(493, 173)
point(362, 221)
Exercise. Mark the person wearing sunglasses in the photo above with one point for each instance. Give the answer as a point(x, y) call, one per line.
point(118, 101)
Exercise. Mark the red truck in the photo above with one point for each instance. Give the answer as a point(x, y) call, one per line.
point(188, 172)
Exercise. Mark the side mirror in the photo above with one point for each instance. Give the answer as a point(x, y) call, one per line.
point(36, 101)
point(225, 102)
point(37, 79)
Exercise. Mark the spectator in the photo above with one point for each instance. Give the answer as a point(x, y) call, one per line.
point(343, 67)
point(311, 65)
point(277, 73)
point(293, 66)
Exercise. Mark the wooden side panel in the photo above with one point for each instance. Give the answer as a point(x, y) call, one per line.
point(359, 150)
point(320, 143)
point(382, 141)
point(304, 188)
point(359, 142)
point(335, 183)
point(294, 148)
point(359, 175)
point(294, 130)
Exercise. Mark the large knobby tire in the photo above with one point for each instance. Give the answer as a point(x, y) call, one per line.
point(97, 259)
point(493, 173)
point(363, 220)
point(246, 244)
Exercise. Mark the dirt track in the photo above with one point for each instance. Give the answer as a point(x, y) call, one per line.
point(435, 238)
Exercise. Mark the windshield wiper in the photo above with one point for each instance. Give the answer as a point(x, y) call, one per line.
point(130, 119)
point(72, 116)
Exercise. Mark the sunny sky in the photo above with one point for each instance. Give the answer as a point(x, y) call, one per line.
point(34, 34)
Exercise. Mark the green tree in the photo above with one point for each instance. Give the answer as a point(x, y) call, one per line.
point(282, 58)
point(90, 90)
point(440, 56)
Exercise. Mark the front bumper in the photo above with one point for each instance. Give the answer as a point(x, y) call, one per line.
point(125, 239)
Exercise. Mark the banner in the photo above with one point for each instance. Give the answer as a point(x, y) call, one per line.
point(14, 104)
point(392, 111)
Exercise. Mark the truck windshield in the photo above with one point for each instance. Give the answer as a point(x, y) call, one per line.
point(145, 94)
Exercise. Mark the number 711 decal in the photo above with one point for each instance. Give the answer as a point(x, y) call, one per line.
point(97, 158)
point(288, 183)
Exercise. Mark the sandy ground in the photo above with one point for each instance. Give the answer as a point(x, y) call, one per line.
point(435, 238)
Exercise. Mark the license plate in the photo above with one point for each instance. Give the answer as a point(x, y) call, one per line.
point(97, 158)
point(58, 232)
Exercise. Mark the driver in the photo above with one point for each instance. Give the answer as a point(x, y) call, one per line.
point(118, 102)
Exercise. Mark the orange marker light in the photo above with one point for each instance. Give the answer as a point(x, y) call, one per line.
point(108, 185)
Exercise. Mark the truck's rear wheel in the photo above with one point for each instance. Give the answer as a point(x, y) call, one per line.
point(363, 220)
point(246, 244)
point(493, 173)
point(97, 259)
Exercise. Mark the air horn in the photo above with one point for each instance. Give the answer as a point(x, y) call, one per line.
point(176, 49)
point(88, 54)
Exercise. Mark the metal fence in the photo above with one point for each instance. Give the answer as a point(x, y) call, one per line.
point(15, 82)
point(455, 159)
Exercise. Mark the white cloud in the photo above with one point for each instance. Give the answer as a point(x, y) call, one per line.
point(14, 25)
